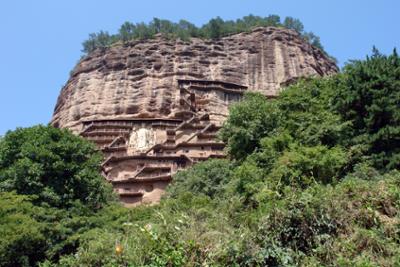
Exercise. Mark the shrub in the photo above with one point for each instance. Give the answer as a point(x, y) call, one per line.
point(301, 166)
point(208, 178)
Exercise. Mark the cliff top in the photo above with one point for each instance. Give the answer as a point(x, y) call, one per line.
point(184, 30)
point(138, 79)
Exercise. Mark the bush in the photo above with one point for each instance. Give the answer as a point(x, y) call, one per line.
point(302, 166)
point(350, 223)
point(208, 178)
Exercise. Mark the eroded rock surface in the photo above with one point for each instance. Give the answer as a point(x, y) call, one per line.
point(139, 79)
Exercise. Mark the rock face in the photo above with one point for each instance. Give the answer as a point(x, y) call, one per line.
point(154, 106)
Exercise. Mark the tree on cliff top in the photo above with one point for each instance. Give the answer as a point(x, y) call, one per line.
point(213, 29)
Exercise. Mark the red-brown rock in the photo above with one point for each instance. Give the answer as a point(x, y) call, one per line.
point(154, 106)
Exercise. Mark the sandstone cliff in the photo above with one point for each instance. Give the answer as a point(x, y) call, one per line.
point(139, 79)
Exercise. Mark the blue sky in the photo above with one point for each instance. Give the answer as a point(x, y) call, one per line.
point(41, 40)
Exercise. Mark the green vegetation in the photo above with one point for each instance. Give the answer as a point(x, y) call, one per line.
point(369, 98)
point(311, 180)
point(50, 185)
point(214, 29)
point(56, 167)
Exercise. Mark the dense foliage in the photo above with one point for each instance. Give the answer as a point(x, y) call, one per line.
point(353, 223)
point(50, 185)
point(310, 181)
point(369, 98)
point(54, 165)
point(183, 29)
point(22, 241)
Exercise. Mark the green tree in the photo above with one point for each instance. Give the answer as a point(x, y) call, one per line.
point(272, 20)
point(369, 98)
point(214, 28)
point(189, 28)
point(97, 40)
point(248, 122)
point(307, 112)
point(127, 32)
point(156, 24)
point(293, 24)
point(143, 31)
point(22, 241)
point(52, 164)
point(104, 39)
point(208, 178)
point(313, 40)
point(90, 44)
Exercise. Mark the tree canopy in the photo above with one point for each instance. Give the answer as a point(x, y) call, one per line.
point(53, 165)
point(369, 98)
point(213, 29)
